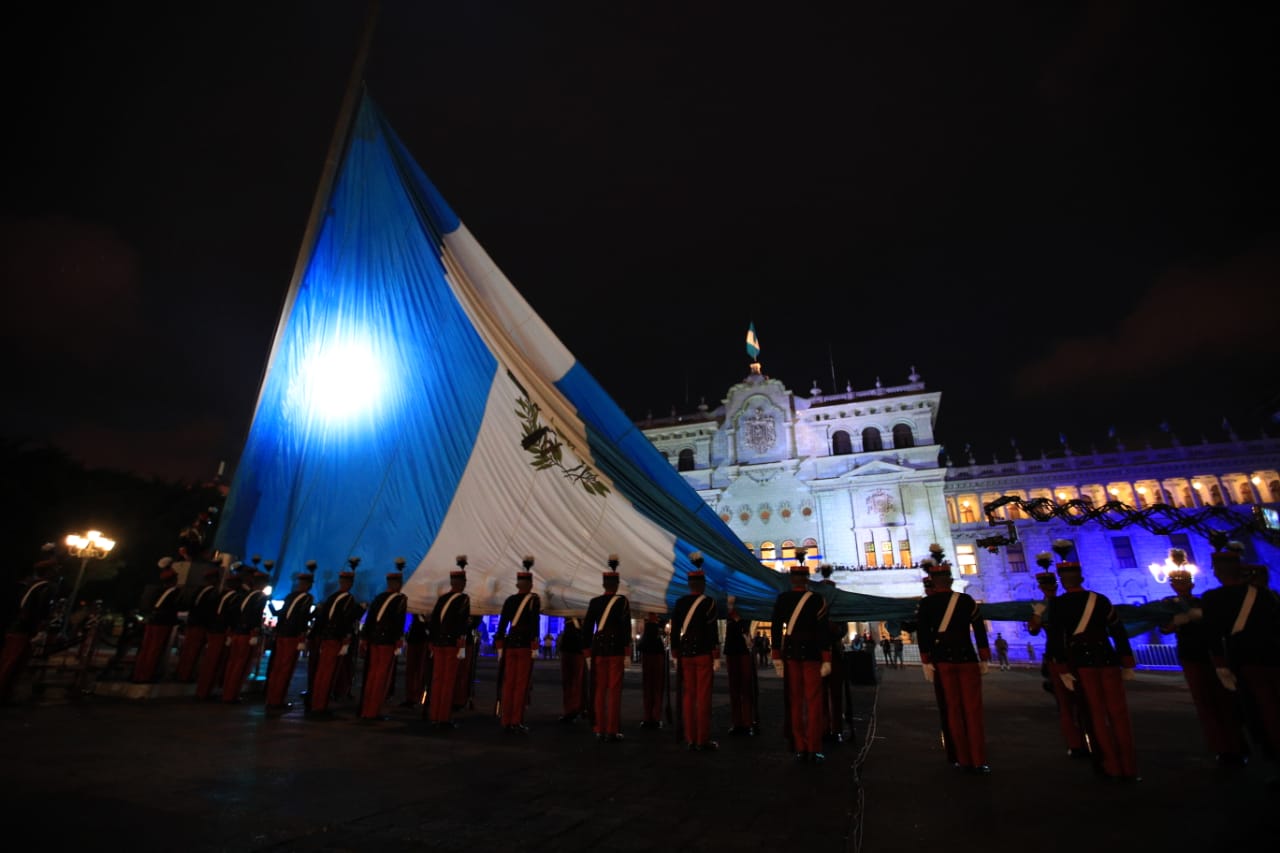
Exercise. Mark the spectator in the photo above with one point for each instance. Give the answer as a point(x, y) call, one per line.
point(1002, 652)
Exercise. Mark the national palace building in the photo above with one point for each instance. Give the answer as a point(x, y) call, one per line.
point(859, 479)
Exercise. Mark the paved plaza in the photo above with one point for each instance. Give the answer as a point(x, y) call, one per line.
point(177, 774)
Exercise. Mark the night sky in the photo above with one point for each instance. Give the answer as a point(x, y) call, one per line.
point(1064, 216)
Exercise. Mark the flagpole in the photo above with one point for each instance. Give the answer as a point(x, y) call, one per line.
point(319, 204)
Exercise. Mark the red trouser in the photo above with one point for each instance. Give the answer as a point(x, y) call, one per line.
point(237, 667)
point(462, 679)
point(803, 679)
point(382, 661)
point(17, 647)
point(741, 695)
point(322, 688)
point(444, 679)
point(283, 659)
point(653, 681)
point(695, 698)
point(1216, 709)
point(962, 690)
point(415, 671)
point(573, 683)
point(192, 642)
point(517, 666)
point(1069, 722)
point(1108, 709)
point(1261, 687)
point(150, 650)
point(606, 687)
point(211, 664)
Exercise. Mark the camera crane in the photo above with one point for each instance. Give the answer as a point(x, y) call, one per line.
point(1216, 523)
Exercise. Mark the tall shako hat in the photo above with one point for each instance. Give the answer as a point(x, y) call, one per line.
point(349, 574)
point(265, 571)
point(525, 574)
point(1062, 548)
point(308, 574)
point(696, 573)
point(398, 574)
point(1045, 561)
point(800, 568)
point(461, 571)
point(612, 574)
point(936, 565)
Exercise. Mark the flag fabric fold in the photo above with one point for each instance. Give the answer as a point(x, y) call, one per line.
point(753, 342)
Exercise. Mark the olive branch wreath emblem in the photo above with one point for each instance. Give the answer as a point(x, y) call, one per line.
point(547, 448)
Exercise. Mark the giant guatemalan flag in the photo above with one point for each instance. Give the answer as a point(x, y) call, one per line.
point(415, 405)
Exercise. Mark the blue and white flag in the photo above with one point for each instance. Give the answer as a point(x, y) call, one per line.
point(753, 343)
point(416, 406)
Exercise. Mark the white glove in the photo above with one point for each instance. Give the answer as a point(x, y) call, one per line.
point(715, 664)
point(499, 654)
point(626, 661)
point(587, 660)
point(302, 645)
point(228, 642)
point(253, 641)
point(927, 669)
point(779, 667)
point(1038, 609)
point(1181, 619)
point(983, 667)
point(342, 651)
point(1227, 677)
point(825, 669)
point(462, 653)
point(1128, 673)
point(1068, 681)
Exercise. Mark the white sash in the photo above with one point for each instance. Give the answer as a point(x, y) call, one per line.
point(247, 599)
point(336, 601)
point(688, 617)
point(200, 596)
point(515, 620)
point(385, 605)
point(294, 604)
point(795, 614)
point(163, 596)
point(1250, 596)
point(604, 617)
point(1087, 615)
point(30, 590)
point(946, 617)
point(223, 602)
point(453, 596)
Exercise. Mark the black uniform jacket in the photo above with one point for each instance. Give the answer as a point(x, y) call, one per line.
point(953, 645)
point(450, 619)
point(165, 610)
point(1101, 642)
point(295, 615)
point(34, 599)
point(702, 636)
point(1257, 643)
point(614, 636)
point(384, 625)
point(336, 618)
point(522, 634)
point(809, 638)
point(226, 611)
point(249, 613)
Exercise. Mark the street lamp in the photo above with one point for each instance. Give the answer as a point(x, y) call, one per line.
point(91, 546)
point(1175, 562)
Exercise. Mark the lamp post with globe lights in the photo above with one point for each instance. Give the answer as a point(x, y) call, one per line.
point(92, 546)
point(1175, 562)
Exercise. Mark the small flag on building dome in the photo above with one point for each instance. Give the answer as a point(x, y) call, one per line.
point(753, 343)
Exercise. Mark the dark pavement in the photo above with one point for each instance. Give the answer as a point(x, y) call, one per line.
point(177, 774)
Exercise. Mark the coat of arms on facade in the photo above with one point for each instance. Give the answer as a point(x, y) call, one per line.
point(880, 505)
point(760, 432)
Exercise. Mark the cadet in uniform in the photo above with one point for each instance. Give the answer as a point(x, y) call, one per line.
point(213, 661)
point(833, 684)
point(1054, 664)
point(740, 657)
point(1088, 628)
point(245, 634)
point(801, 641)
point(607, 647)
point(947, 654)
point(381, 639)
point(516, 641)
point(1220, 720)
point(573, 671)
point(330, 640)
point(292, 620)
point(696, 647)
point(449, 626)
point(654, 668)
point(160, 624)
point(34, 599)
point(199, 617)
point(416, 661)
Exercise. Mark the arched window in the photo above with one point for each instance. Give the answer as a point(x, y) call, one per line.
point(903, 437)
point(1215, 495)
point(685, 462)
point(871, 439)
point(841, 444)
